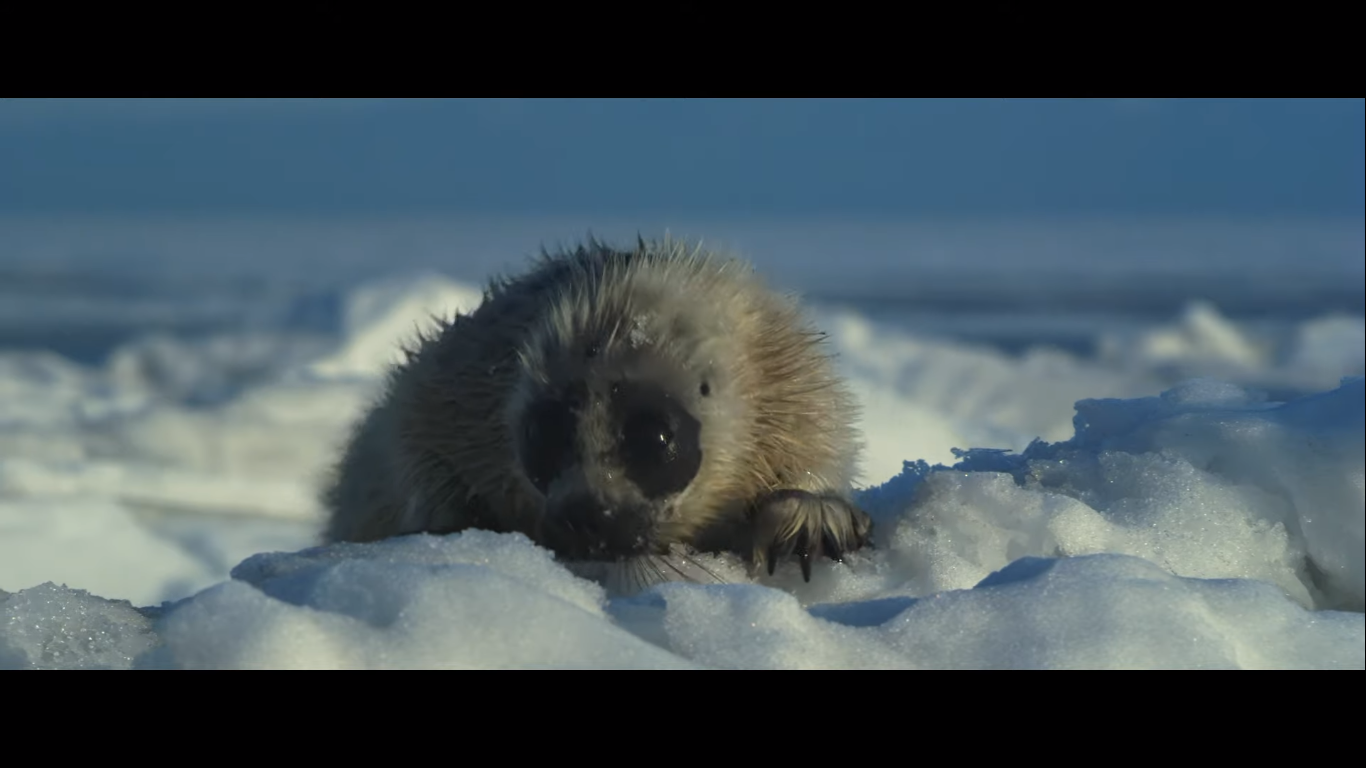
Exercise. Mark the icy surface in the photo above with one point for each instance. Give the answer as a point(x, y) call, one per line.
point(1203, 480)
point(489, 601)
point(473, 601)
point(52, 627)
point(1187, 494)
point(1199, 529)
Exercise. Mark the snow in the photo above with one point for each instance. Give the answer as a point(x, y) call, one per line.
point(51, 627)
point(1186, 492)
point(389, 311)
point(1204, 480)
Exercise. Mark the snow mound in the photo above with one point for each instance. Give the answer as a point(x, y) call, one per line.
point(1205, 480)
point(1097, 612)
point(1329, 344)
point(51, 627)
point(1309, 356)
point(1201, 333)
point(923, 396)
point(381, 318)
point(494, 601)
point(476, 600)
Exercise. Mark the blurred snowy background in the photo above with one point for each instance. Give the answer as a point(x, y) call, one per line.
point(197, 295)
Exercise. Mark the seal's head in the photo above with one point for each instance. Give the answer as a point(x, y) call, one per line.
point(611, 455)
point(622, 413)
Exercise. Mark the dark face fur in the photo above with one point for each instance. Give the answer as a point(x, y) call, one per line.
point(610, 450)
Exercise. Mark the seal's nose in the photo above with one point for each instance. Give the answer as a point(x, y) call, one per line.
point(596, 530)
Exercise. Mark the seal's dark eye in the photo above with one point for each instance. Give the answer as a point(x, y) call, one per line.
point(547, 440)
point(659, 442)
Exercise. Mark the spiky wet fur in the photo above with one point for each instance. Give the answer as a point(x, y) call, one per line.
point(437, 453)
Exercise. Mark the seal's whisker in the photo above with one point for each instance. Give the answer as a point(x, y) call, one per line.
point(677, 570)
point(705, 569)
point(635, 576)
point(659, 576)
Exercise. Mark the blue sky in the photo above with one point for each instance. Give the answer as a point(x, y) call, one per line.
point(904, 158)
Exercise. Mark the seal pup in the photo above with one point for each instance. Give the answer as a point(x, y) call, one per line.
point(629, 408)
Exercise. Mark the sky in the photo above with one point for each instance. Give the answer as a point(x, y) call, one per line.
point(1247, 158)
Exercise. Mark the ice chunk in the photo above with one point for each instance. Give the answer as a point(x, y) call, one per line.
point(52, 627)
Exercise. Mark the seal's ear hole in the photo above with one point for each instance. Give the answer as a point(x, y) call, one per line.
point(705, 389)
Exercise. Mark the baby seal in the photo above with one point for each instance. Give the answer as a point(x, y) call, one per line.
point(615, 406)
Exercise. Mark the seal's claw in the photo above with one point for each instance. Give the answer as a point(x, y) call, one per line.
point(807, 525)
